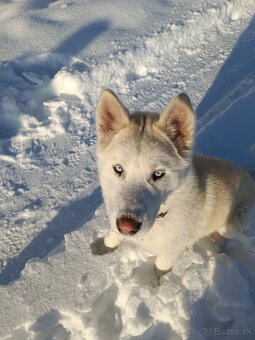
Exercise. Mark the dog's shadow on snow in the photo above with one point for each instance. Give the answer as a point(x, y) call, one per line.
point(238, 70)
point(12, 102)
point(69, 218)
point(225, 116)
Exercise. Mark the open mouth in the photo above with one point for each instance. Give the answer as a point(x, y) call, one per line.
point(128, 225)
point(130, 233)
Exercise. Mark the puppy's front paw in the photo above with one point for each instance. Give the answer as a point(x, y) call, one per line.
point(99, 248)
point(164, 263)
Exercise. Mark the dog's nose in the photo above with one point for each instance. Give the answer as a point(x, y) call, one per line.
point(128, 225)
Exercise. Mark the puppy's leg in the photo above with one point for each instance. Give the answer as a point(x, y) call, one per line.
point(239, 224)
point(164, 263)
point(112, 240)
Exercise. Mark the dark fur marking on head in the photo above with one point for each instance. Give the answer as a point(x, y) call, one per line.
point(143, 120)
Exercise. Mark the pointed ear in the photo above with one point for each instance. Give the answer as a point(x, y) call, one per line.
point(111, 116)
point(177, 121)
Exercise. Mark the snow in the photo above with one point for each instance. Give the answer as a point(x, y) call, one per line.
point(56, 56)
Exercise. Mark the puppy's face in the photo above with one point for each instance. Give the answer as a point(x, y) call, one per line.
point(139, 165)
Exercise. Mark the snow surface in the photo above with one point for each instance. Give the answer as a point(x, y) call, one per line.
point(56, 56)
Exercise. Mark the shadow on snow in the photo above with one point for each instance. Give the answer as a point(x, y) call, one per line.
point(226, 114)
point(13, 101)
point(69, 218)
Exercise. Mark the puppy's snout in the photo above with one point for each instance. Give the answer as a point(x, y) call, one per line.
point(128, 225)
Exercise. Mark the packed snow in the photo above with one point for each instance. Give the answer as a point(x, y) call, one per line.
point(56, 57)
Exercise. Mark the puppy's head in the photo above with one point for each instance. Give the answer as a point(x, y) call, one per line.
point(142, 158)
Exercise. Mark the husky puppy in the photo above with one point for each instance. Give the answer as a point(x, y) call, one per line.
point(159, 194)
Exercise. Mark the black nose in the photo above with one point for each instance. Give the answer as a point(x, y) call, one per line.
point(128, 225)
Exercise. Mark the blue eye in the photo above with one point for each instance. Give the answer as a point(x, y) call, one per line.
point(158, 174)
point(118, 169)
